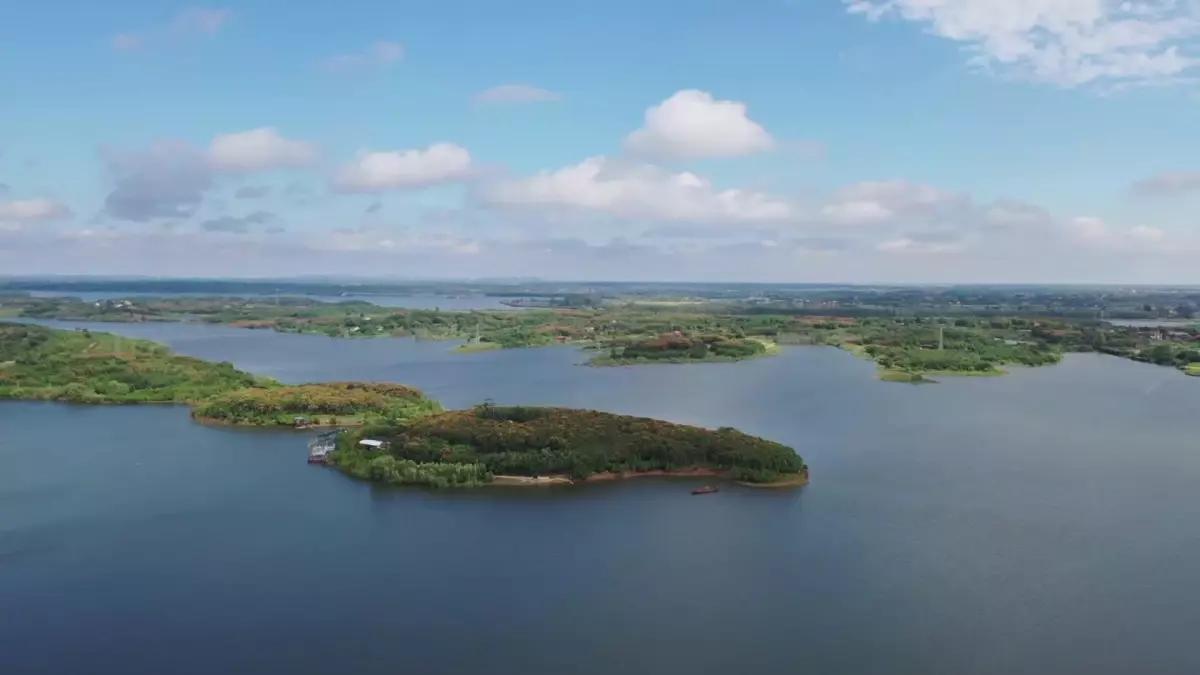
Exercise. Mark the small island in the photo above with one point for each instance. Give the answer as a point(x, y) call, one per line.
point(679, 348)
point(411, 440)
point(326, 404)
point(520, 445)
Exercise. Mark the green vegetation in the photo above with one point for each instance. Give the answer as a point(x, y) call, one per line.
point(677, 348)
point(82, 367)
point(959, 331)
point(424, 446)
point(893, 375)
point(475, 347)
point(389, 469)
point(531, 441)
point(323, 404)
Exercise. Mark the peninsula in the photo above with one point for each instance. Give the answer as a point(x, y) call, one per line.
point(39, 363)
point(325, 404)
point(415, 442)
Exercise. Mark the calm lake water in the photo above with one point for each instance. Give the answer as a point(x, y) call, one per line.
point(1043, 522)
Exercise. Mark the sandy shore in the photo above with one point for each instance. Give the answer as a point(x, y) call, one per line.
point(680, 473)
point(530, 480)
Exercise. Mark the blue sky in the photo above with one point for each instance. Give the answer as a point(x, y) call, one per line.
point(768, 140)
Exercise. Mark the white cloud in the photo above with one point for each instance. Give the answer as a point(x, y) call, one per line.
point(379, 55)
point(257, 150)
point(905, 245)
point(636, 191)
point(692, 124)
point(394, 242)
point(516, 93)
point(1094, 232)
point(1170, 183)
point(1062, 42)
point(374, 171)
point(192, 21)
point(32, 210)
point(881, 201)
point(856, 212)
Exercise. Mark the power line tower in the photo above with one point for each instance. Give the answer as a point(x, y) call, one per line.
point(941, 337)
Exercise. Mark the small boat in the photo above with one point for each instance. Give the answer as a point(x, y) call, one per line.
point(707, 489)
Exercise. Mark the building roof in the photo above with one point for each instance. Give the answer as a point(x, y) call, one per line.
point(370, 442)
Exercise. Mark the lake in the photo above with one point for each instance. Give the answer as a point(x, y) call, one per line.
point(1042, 522)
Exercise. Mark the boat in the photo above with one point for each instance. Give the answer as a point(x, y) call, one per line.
point(707, 489)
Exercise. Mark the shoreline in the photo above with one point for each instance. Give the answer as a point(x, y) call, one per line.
point(213, 421)
point(772, 349)
point(797, 480)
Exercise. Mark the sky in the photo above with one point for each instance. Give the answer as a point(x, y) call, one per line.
point(861, 141)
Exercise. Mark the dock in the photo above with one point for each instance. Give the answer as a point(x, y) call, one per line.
point(321, 445)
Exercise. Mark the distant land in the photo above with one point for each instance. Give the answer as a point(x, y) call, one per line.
point(911, 332)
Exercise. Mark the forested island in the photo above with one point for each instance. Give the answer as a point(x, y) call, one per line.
point(521, 445)
point(418, 442)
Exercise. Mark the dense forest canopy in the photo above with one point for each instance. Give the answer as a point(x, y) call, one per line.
point(85, 367)
point(328, 403)
point(534, 441)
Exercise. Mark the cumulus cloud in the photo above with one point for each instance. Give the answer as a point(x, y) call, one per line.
point(252, 192)
point(378, 55)
point(33, 210)
point(376, 171)
point(692, 124)
point(1061, 42)
point(636, 191)
point(237, 224)
point(167, 180)
point(882, 201)
point(171, 179)
point(1170, 183)
point(1095, 232)
point(516, 93)
point(257, 150)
